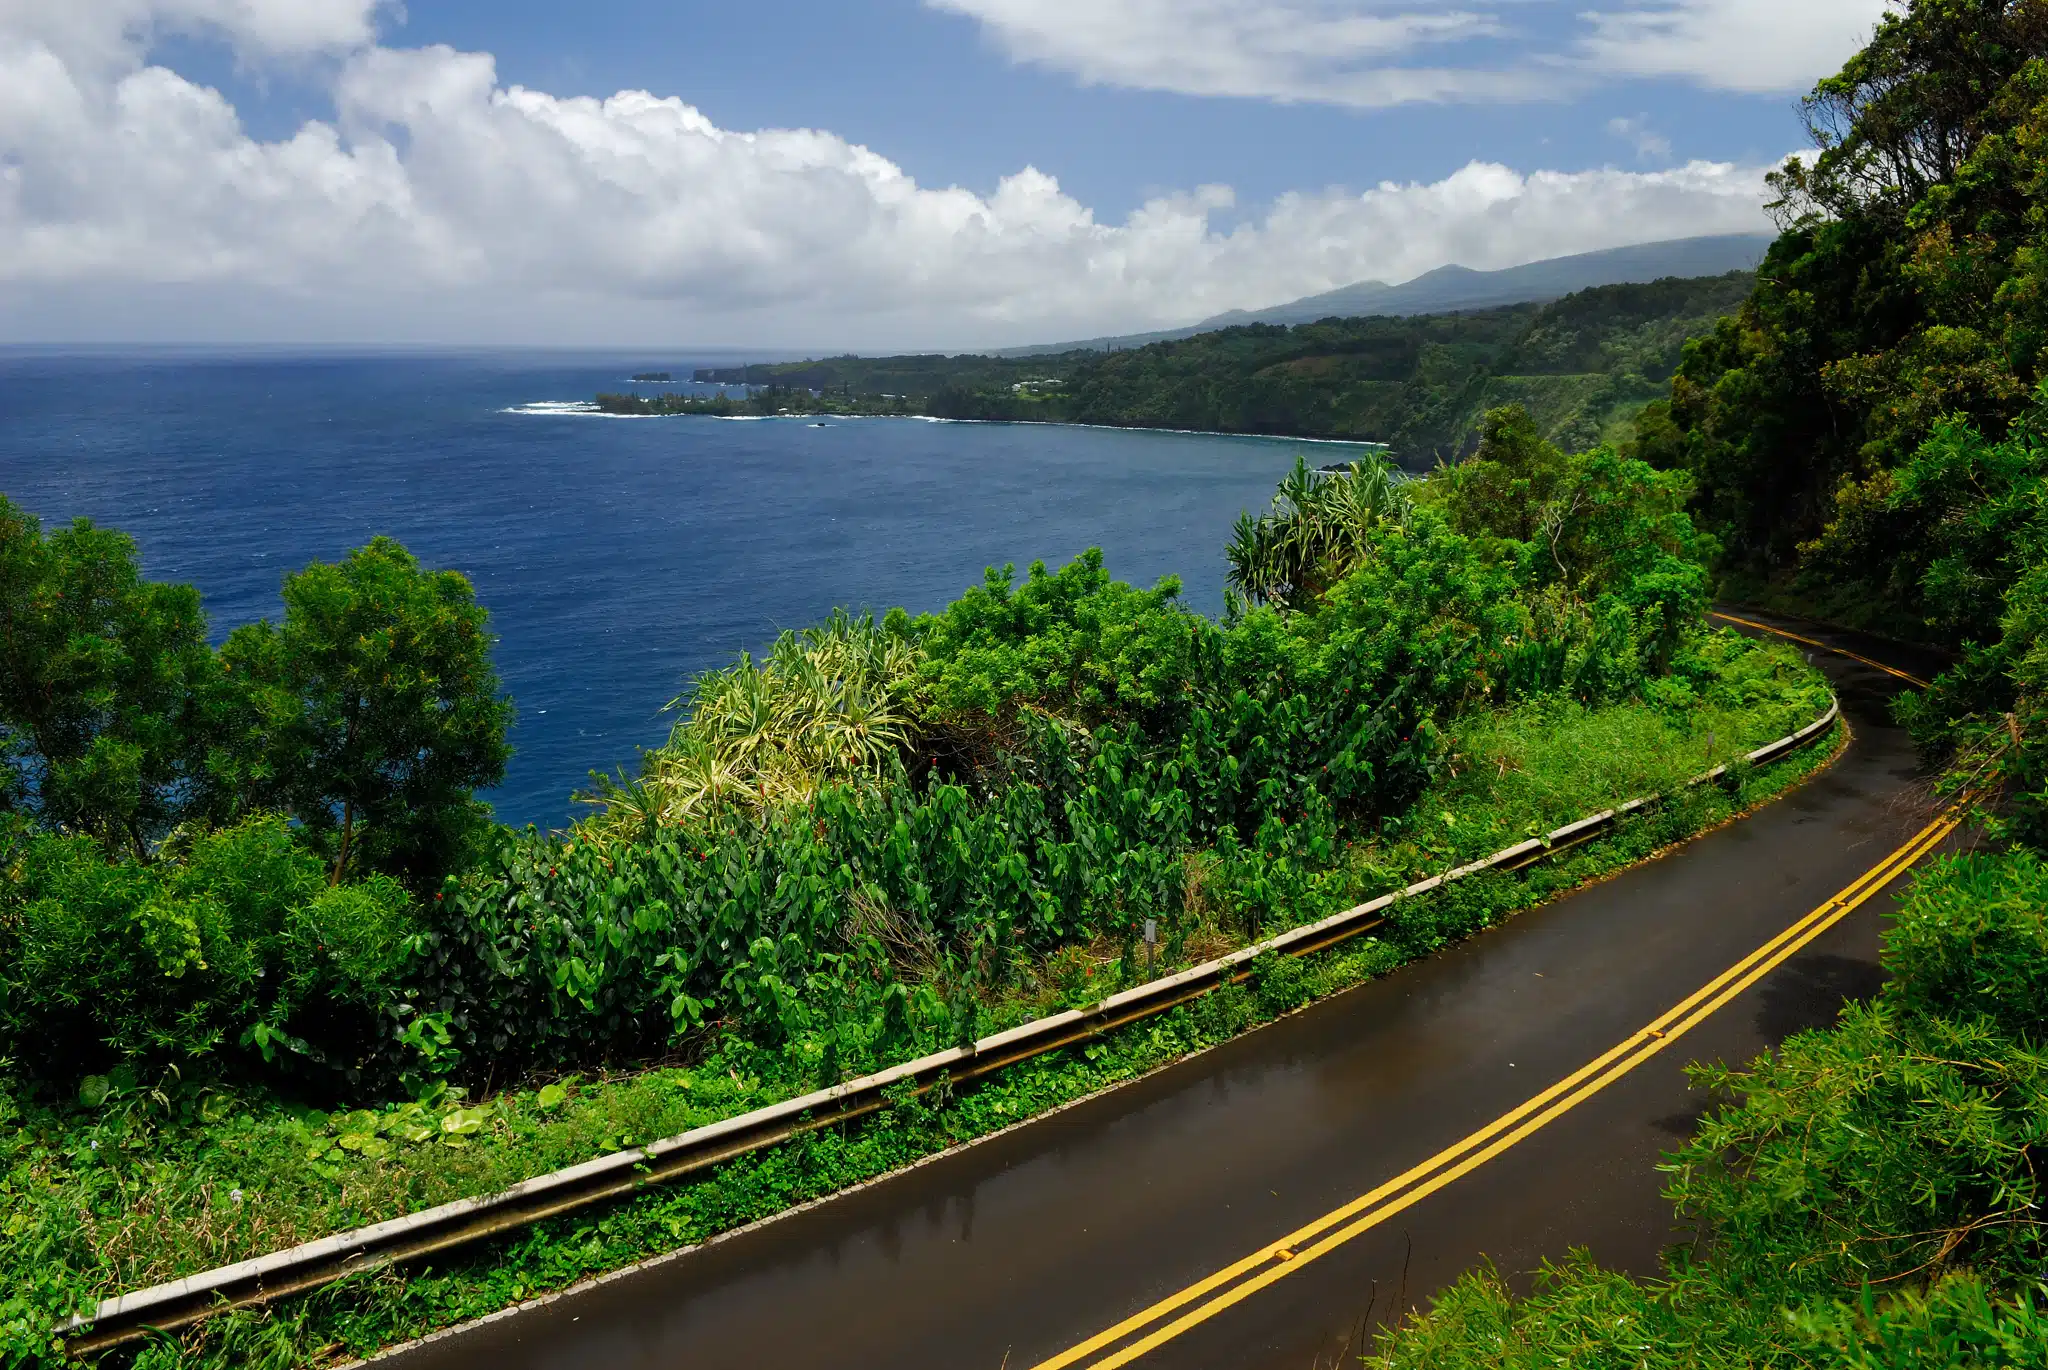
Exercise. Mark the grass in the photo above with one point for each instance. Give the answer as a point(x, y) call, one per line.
point(159, 1182)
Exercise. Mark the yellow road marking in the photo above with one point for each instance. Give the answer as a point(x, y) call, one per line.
point(1825, 647)
point(1369, 1210)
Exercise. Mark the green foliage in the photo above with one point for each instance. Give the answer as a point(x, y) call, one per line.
point(1907, 288)
point(1957, 1322)
point(1973, 942)
point(1581, 1316)
point(374, 711)
point(1968, 519)
point(235, 955)
point(827, 704)
point(1894, 1147)
point(1585, 364)
point(107, 687)
point(1595, 525)
point(1320, 527)
point(1071, 642)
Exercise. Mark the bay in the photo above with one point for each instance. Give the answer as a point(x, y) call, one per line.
point(617, 556)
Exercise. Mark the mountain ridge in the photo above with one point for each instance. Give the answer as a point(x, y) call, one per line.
point(1456, 289)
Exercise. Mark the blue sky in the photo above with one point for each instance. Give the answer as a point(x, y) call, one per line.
point(983, 169)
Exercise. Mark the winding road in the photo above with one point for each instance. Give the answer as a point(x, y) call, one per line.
point(1262, 1206)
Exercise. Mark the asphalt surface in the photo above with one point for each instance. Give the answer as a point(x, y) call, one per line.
point(1014, 1250)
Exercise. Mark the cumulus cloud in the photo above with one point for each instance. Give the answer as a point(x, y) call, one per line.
point(441, 204)
point(1375, 53)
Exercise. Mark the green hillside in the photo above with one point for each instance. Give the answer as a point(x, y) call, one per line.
point(1583, 366)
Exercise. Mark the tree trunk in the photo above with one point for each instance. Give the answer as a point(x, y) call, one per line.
point(348, 826)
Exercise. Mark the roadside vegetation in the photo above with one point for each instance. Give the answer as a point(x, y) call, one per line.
point(282, 976)
point(1869, 438)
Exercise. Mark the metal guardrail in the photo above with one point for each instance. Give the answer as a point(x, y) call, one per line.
point(179, 1303)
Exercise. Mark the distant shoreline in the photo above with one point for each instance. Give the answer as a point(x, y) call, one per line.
point(588, 409)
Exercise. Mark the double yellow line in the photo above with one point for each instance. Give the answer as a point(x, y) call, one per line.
point(1824, 646)
point(1154, 1326)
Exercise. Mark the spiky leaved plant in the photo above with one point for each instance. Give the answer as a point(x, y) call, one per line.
point(831, 702)
point(1320, 527)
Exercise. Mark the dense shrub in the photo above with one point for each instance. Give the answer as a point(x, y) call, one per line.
point(1893, 1147)
point(240, 953)
point(1073, 641)
point(1973, 942)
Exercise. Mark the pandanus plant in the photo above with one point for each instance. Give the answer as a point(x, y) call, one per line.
point(829, 703)
point(1320, 527)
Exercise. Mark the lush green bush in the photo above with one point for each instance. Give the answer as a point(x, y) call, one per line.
point(1907, 288)
point(235, 954)
point(1073, 642)
point(1973, 942)
point(1969, 517)
point(1891, 1148)
point(370, 714)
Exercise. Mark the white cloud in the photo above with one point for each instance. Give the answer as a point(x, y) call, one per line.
point(1334, 51)
point(1375, 53)
point(96, 32)
point(1743, 45)
point(440, 205)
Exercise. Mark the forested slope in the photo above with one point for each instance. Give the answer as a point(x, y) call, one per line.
point(1582, 365)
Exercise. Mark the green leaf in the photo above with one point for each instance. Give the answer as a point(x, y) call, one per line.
point(552, 1097)
point(462, 1122)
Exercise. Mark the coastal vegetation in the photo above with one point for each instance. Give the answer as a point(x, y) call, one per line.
point(764, 402)
point(292, 980)
point(1582, 366)
point(1866, 437)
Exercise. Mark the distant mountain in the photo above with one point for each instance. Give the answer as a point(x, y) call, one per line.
point(1453, 289)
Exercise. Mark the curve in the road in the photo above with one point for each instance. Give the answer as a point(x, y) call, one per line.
point(1130, 1212)
point(1298, 1248)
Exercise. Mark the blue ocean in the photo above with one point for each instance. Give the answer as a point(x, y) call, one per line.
point(618, 557)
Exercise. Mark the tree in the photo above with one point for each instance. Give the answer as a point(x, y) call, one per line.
point(106, 685)
point(1908, 287)
point(374, 711)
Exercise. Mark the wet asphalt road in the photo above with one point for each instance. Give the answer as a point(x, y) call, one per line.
point(1013, 1250)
